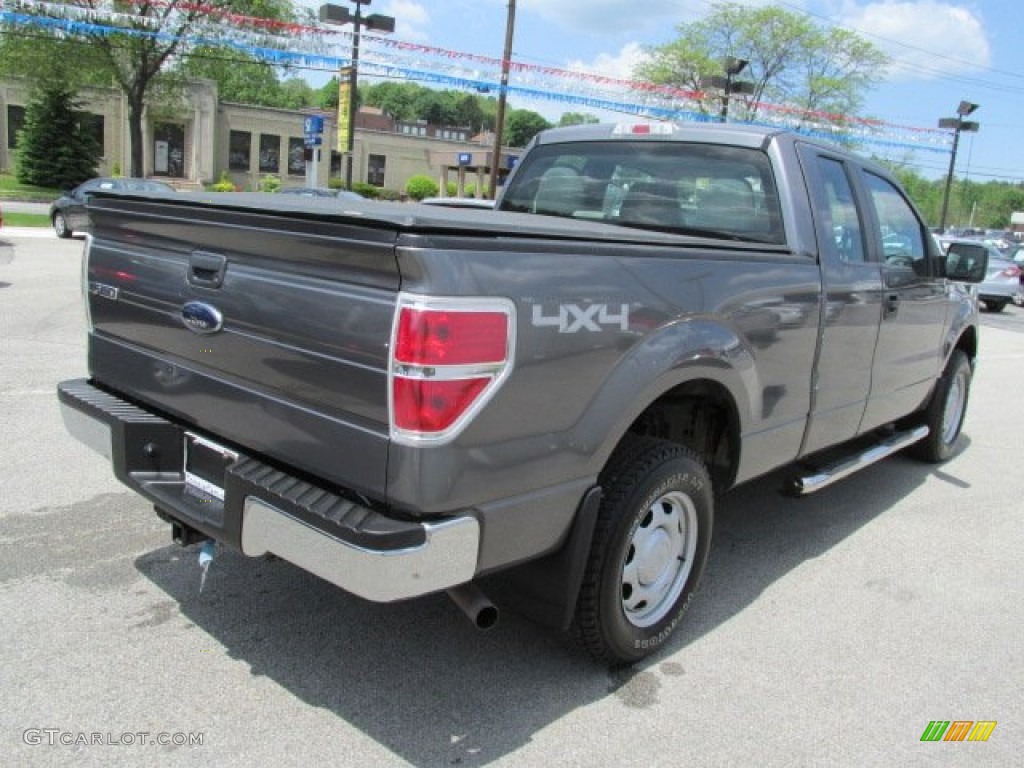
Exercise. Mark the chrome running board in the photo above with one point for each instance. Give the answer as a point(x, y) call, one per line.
point(824, 476)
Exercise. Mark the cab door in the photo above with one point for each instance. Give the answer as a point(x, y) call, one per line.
point(914, 304)
point(851, 303)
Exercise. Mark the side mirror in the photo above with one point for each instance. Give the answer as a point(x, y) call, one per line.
point(966, 263)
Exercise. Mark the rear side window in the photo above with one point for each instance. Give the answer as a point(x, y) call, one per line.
point(841, 212)
point(692, 188)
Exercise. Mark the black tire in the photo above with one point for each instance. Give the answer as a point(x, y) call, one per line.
point(60, 226)
point(658, 497)
point(995, 305)
point(945, 413)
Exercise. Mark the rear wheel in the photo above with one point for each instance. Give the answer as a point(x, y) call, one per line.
point(995, 305)
point(649, 549)
point(60, 225)
point(945, 413)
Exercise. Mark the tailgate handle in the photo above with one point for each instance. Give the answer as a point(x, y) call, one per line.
point(205, 269)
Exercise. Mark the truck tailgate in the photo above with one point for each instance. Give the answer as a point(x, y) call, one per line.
point(268, 330)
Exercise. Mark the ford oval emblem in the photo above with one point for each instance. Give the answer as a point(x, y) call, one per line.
point(201, 318)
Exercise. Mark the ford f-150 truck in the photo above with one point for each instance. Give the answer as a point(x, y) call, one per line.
point(403, 399)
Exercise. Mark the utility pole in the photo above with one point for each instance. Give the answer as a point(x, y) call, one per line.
point(499, 127)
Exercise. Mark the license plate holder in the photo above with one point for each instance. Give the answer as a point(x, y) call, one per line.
point(206, 464)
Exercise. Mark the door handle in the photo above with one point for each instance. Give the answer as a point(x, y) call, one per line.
point(892, 306)
point(205, 269)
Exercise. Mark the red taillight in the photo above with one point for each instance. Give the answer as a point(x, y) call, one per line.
point(427, 405)
point(449, 357)
point(1013, 271)
point(438, 337)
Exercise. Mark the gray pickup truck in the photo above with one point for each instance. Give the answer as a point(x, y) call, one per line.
point(403, 399)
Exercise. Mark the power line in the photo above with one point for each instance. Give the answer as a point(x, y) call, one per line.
point(943, 56)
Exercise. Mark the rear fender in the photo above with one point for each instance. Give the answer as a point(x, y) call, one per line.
point(692, 350)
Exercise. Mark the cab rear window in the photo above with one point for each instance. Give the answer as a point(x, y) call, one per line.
point(671, 186)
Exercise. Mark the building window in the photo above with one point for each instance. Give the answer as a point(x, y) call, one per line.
point(15, 122)
point(296, 157)
point(335, 163)
point(239, 150)
point(270, 153)
point(375, 168)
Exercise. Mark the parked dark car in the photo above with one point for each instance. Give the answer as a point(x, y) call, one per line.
point(68, 213)
point(341, 194)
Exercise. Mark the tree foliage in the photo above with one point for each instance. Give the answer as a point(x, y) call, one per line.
point(791, 61)
point(577, 118)
point(985, 205)
point(522, 125)
point(409, 102)
point(244, 79)
point(421, 186)
point(138, 61)
point(240, 77)
point(56, 146)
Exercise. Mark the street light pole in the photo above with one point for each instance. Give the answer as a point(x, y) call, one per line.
point(728, 86)
point(958, 124)
point(733, 67)
point(339, 15)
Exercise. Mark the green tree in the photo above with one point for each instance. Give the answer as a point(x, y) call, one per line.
point(327, 96)
point(240, 77)
point(790, 61)
point(410, 101)
point(577, 118)
point(522, 125)
point(138, 61)
point(56, 147)
point(295, 93)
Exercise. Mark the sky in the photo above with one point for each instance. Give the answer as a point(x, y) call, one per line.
point(941, 52)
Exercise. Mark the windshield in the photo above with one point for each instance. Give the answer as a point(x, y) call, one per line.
point(703, 189)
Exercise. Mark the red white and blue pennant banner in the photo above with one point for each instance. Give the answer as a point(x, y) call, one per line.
point(326, 48)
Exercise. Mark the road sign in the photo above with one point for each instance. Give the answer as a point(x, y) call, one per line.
point(314, 124)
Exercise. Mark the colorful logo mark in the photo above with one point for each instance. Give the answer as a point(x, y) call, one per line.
point(958, 730)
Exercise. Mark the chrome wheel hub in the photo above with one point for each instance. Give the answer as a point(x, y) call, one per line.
point(659, 559)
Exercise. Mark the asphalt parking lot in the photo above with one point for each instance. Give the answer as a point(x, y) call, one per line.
point(828, 631)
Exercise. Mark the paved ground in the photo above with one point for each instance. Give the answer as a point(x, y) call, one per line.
point(828, 632)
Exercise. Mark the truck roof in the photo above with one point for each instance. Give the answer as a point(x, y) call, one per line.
point(712, 133)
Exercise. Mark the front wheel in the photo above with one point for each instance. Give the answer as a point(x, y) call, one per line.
point(60, 225)
point(995, 305)
point(945, 413)
point(649, 549)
